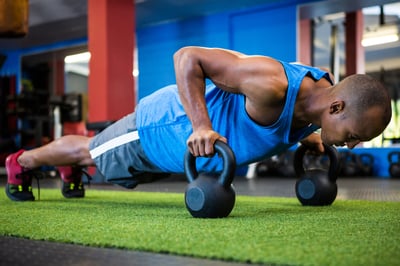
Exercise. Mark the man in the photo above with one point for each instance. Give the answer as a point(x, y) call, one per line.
point(258, 105)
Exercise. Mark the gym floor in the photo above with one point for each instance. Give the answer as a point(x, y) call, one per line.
point(48, 253)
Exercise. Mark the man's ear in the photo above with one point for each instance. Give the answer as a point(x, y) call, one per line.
point(336, 107)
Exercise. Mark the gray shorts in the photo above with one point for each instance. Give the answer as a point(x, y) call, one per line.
point(120, 158)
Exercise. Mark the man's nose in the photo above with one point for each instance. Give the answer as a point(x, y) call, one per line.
point(352, 144)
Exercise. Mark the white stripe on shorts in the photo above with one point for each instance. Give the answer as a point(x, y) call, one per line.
point(113, 143)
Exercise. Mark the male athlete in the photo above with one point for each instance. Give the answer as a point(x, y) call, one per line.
point(259, 105)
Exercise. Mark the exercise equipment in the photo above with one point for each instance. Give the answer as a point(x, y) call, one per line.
point(316, 186)
point(268, 167)
point(394, 164)
point(210, 195)
point(366, 161)
point(278, 165)
point(350, 164)
point(353, 164)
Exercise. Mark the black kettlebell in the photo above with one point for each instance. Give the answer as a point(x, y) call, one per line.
point(394, 167)
point(350, 164)
point(366, 161)
point(210, 196)
point(317, 186)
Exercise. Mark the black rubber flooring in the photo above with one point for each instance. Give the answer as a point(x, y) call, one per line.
point(23, 252)
point(17, 251)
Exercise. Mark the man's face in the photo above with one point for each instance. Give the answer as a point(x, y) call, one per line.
point(342, 129)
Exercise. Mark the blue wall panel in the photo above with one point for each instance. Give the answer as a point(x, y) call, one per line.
point(268, 30)
point(157, 44)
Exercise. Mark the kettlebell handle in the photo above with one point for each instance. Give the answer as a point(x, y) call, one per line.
point(333, 161)
point(228, 159)
point(391, 157)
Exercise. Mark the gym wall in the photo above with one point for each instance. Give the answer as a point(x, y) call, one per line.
point(268, 30)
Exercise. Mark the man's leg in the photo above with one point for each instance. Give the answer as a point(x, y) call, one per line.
point(69, 151)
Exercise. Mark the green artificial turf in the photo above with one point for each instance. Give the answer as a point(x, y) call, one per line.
point(259, 229)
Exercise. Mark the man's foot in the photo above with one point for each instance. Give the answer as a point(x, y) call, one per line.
point(19, 180)
point(72, 186)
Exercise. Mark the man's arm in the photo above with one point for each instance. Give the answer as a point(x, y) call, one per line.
point(253, 76)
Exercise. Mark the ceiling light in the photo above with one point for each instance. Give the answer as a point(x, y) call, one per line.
point(380, 40)
point(381, 35)
point(78, 58)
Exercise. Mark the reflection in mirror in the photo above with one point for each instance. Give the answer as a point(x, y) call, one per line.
point(76, 67)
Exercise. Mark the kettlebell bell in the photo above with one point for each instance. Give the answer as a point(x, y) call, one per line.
point(366, 161)
point(316, 186)
point(210, 195)
point(350, 164)
point(394, 167)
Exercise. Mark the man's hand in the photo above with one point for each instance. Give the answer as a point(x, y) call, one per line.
point(201, 142)
point(314, 143)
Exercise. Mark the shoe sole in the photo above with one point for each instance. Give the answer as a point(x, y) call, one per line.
point(73, 197)
point(12, 197)
point(68, 196)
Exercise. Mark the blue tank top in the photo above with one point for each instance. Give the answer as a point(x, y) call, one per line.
point(164, 127)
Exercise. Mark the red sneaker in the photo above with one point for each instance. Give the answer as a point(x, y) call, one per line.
point(72, 186)
point(19, 180)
